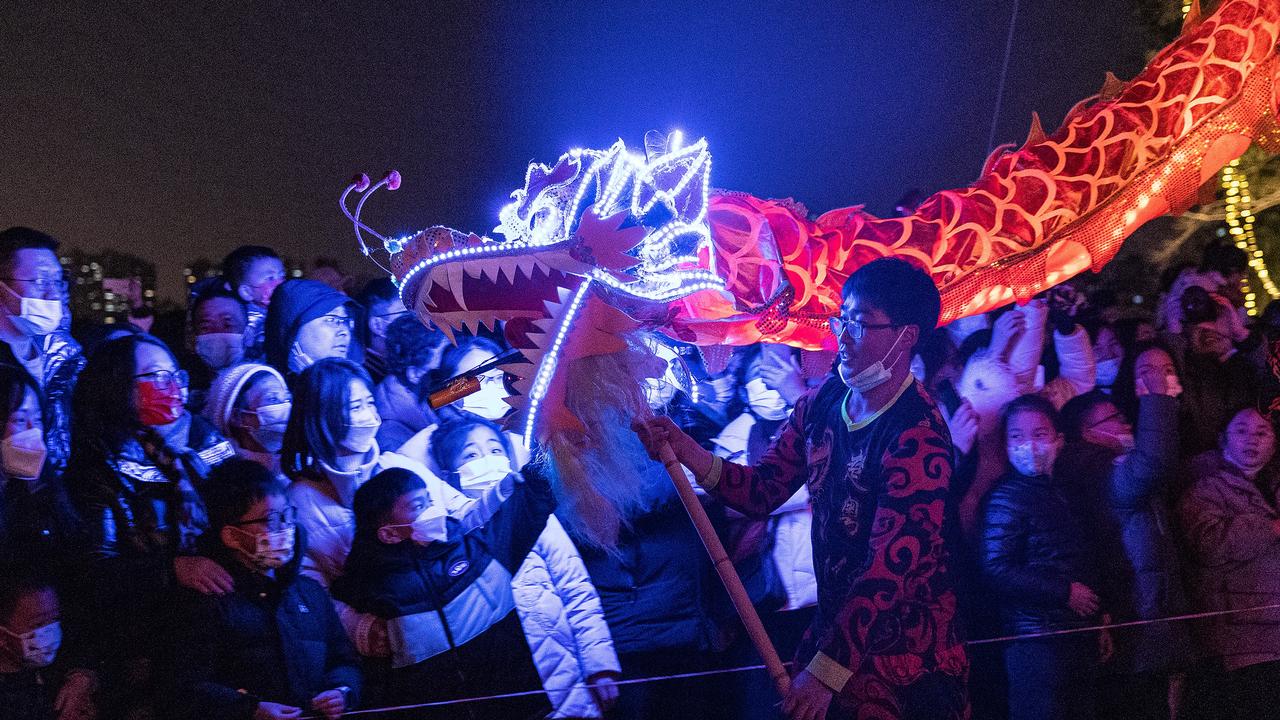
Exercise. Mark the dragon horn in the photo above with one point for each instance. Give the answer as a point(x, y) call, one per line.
point(1112, 86)
point(1036, 133)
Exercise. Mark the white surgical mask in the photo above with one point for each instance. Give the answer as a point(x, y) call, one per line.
point(1107, 371)
point(766, 403)
point(1033, 457)
point(270, 549)
point(40, 646)
point(488, 402)
point(36, 316)
point(272, 420)
point(429, 526)
point(220, 350)
point(875, 374)
point(299, 360)
point(480, 474)
point(23, 453)
point(360, 438)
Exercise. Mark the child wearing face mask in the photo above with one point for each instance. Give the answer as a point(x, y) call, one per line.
point(446, 595)
point(36, 678)
point(250, 404)
point(274, 647)
point(1036, 558)
point(557, 603)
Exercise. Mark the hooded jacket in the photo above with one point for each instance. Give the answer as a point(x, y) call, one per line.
point(294, 304)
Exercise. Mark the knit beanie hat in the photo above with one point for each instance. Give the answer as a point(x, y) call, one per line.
point(226, 388)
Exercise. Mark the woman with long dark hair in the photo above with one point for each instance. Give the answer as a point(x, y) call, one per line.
point(136, 468)
point(329, 451)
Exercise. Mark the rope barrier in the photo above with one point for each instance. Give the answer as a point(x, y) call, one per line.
point(751, 668)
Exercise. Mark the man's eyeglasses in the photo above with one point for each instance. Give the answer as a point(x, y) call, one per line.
point(855, 328)
point(338, 321)
point(274, 520)
point(43, 285)
point(166, 378)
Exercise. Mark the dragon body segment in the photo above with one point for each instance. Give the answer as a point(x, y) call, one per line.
point(605, 242)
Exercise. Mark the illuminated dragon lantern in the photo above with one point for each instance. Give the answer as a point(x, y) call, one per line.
point(605, 242)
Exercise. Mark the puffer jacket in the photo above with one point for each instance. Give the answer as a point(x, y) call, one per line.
point(1228, 523)
point(1128, 509)
point(137, 520)
point(63, 361)
point(402, 415)
point(324, 509)
point(1033, 547)
point(563, 622)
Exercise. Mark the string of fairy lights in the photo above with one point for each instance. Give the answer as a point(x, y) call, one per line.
point(1239, 213)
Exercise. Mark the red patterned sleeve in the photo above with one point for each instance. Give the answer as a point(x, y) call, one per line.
point(759, 490)
point(894, 605)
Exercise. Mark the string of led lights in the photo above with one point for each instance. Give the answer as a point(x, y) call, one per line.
point(1239, 212)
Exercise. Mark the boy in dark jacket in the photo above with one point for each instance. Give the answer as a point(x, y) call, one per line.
point(446, 595)
point(37, 681)
point(272, 648)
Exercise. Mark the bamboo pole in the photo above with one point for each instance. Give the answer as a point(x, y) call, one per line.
point(727, 572)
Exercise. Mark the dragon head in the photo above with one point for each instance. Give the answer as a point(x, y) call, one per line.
point(591, 249)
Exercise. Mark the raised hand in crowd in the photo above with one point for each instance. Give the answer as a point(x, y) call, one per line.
point(963, 424)
point(1006, 331)
point(1083, 601)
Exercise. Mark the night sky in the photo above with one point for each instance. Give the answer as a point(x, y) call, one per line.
point(179, 130)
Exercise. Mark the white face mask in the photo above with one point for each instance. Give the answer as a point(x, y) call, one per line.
point(428, 527)
point(272, 420)
point(23, 453)
point(480, 474)
point(1033, 457)
point(36, 316)
point(269, 550)
point(220, 350)
point(875, 374)
point(299, 360)
point(765, 403)
point(360, 438)
point(488, 402)
point(40, 646)
point(1107, 371)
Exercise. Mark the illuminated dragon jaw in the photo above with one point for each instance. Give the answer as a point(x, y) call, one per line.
point(596, 231)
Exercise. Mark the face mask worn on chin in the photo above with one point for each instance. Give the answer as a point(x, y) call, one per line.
point(40, 646)
point(299, 360)
point(1107, 371)
point(428, 527)
point(765, 402)
point(158, 405)
point(23, 453)
point(220, 350)
point(1033, 457)
point(268, 550)
point(272, 420)
point(875, 374)
point(487, 402)
point(480, 474)
point(36, 316)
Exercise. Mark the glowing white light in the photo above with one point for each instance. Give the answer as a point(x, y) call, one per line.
point(547, 370)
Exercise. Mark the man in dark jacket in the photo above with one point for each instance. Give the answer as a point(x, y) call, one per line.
point(1125, 480)
point(446, 595)
point(32, 293)
point(272, 648)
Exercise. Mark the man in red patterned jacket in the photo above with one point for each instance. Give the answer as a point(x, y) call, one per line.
point(876, 456)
